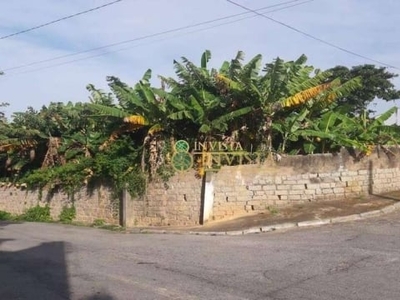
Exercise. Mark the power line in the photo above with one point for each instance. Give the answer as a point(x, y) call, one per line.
point(152, 42)
point(59, 20)
point(311, 36)
point(150, 36)
point(144, 37)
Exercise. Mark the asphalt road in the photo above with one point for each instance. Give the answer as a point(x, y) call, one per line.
point(359, 260)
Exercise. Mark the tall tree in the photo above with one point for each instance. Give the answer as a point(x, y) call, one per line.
point(376, 83)
point(281, 86)
point(206, 104)
point(140, 109)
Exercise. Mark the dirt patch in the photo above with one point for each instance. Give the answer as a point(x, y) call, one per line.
point(305, 212)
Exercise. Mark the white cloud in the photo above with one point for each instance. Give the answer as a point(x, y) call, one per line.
point(366, 27)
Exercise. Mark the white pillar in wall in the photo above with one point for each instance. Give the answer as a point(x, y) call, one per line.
point(208, 200)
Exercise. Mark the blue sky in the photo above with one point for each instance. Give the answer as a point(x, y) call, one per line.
point(368, 27)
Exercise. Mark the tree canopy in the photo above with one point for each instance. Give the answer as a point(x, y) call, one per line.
point(376, 83)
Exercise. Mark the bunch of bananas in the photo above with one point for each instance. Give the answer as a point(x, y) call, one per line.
point(220, 78)
point(369, 150)
point(331, 97)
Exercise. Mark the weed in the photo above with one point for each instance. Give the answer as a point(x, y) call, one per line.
point(36, 214)
point(273, 210)
point(5, 216)
point(113, 228)
point(67, 214)
point(99, 222)
point(361, 198)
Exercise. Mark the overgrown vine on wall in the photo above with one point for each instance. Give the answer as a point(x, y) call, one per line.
point(165, 171)
point(117, 166)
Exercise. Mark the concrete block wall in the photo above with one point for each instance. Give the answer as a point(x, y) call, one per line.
point(296, 179)
point(385, 180)
point(258, 193)
point(90, 205)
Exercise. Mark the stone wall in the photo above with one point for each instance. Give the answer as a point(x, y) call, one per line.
point(90, 204)
point(238, 190)
point(176, 202)
point(235, 190)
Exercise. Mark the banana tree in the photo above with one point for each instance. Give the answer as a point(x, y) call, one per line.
point(205, 103)
point(29, 134)
point(82, 134)
point(290, 128)
point(141, 108)
point(18, 147)
point(281, 86)
point(207, 112)
point(335, 129)
point(48, 122)
point(371, 131)
point(66, 132)
point(328, 133)
point(374, 130)
point(210, 109)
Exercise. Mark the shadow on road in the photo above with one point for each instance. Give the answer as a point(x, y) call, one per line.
point(5, 223)
point(39, 272)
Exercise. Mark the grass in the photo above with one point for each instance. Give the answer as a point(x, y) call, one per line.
point(273, 210)
point(42, 214)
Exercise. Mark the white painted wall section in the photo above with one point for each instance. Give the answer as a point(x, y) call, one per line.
point(208, 197)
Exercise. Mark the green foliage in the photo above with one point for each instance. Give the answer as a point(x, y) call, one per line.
point(165, 172)
point(5, 216)
point(69, 177)
point(291, 127)
point(368, 131)
point(36, 214)
point(99, 222)
point(120, 164)
point(67, 214)
point(134, 181)
point(117, 165)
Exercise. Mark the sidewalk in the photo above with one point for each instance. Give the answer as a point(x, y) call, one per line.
point(300, 215)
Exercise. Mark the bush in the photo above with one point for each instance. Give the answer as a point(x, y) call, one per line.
point(5, 216)
point(69, 177)
point(67, 214)
point(37, 214)
point(99, 222)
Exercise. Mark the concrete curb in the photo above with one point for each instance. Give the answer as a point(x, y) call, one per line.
point(348, 218)
point(278, 227)
point(314, 223)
